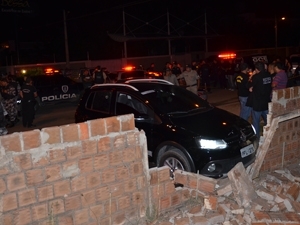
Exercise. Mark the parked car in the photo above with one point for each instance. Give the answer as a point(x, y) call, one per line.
point(183, 131)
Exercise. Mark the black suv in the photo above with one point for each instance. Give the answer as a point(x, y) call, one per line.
point(183, 131)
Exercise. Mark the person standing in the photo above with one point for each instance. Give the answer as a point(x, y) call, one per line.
point(204, 72)
point(242, 79)
point(28, 94)
point(99, 76)
point(191, 78)
point(280, 79)
point(169, 76)
point(261, 88)
point(9, 94)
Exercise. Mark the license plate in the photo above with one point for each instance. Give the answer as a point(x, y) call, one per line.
point(248, 150)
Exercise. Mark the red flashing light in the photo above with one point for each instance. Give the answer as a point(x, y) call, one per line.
point(129, 68)
point(227, 56)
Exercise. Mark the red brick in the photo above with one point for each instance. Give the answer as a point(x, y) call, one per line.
point(165, 202)
point(108, 175)
point(53, 173)
point(129, 154)
point(153, 176)
point(40, 161)
point(57, 155)
point(45, 193)
point(112, 124)
point(115, 158)
point(81, 216)
point(73, 152)
point(16, 181)
point(78, 183)
point(124, 202)
point(93, 180)
point(136, 169)
point(26, 197)
point(7, 219)
point(169, 188)
point(2, 186)
point(175, 199)
point(31, 139)
point(110, 207)
point(9, 202)
point(23, 161)
point(163, 173)
point(4, 170)
point(293, 191)
point(141, 182)
point(96, 212)
point(62, 188)
point(101, 161)
point(119, 142)
point(120, 218)
point(11, 142)
point(35, 177)
point(122, 173)
point(211, 202)
point(56, 206)
point(88, 198)
point(157, 191)
point(51, 135)
point(137, 198)
point(89, 147)
point(39, 211)
point(86, 165)
point(65, 220)
point(70, 133)
point(83, 131)
point(104, 144)
point(261, 216)
point(102, 193)
point(133, 138)
point(72, 202)
point(98, 127)
point(130, 185)
point(22, 217)
point(127, 122)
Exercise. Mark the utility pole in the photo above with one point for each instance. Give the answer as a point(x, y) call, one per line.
point(66, 42)
point(169, 41)
point(124, 33)
point(205, 24)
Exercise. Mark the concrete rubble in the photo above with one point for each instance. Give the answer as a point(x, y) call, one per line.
point(271, 199)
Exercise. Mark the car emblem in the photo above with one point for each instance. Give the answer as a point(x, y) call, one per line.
point(65, 88)
point(243, 136)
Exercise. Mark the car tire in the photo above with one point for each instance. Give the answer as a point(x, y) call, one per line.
point(175, 159)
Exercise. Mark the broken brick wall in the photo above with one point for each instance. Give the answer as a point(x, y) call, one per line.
point(284, 147)
point(93, 173)
point(87, 173)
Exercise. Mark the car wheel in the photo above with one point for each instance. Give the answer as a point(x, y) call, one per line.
point(174, 159)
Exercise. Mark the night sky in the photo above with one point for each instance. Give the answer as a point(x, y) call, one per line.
point(235, 24)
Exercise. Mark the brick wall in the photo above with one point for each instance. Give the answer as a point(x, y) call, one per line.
point(88, 173)
point(284, 147)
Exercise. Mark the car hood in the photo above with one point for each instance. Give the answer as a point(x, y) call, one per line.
point(215, 123)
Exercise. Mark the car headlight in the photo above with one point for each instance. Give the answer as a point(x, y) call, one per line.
point(211, 144)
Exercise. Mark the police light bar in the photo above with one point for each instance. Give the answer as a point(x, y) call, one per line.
point(227, 56)
point(129, 68)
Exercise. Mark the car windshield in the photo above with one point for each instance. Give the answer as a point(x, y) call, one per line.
point(172, 99)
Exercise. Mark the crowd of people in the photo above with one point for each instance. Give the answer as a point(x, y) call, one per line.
point(10, 92)
point(254, 85)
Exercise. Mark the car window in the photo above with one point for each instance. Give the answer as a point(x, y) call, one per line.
point(99, 101)
point(126, 104)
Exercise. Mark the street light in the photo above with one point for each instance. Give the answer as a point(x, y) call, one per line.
point(282, 18)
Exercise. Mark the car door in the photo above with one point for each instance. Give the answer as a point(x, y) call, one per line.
point(98, 104)
point(144, 116)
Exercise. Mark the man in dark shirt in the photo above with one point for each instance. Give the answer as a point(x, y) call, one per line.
point(242, 79)
point(28, 94)
point(261, 88)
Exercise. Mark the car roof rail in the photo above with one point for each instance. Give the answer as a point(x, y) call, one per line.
point(158, 81)
point(114, 85)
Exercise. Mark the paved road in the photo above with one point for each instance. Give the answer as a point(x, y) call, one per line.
point(63, 113)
